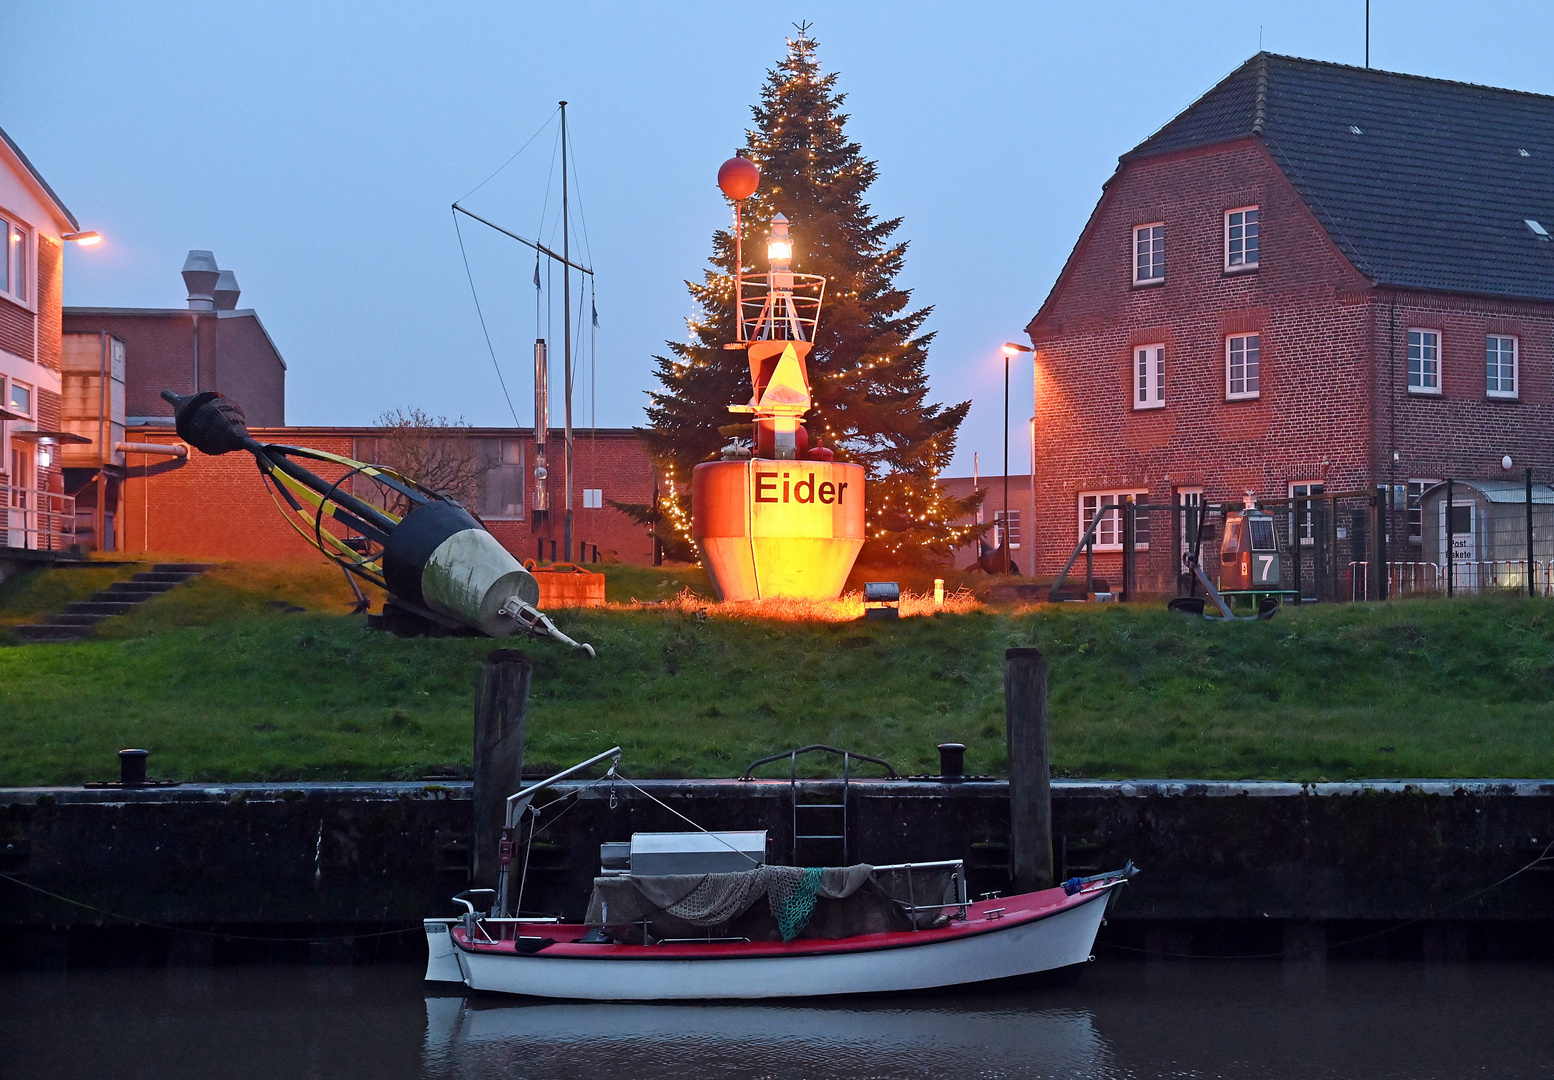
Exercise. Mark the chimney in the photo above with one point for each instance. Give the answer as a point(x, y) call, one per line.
point(227, 291)
point(200, 275)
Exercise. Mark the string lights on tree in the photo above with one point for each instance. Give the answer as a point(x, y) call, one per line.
point(867, 370)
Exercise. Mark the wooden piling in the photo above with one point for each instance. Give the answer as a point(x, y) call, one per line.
point(1030, 778)
point(501, 715)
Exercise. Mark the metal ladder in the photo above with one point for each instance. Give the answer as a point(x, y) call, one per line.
point(803, 821)
point(808, 815)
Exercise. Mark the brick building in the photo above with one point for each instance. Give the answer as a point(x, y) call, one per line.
point(197, 506)
point(34, 225)
point(220, 507)
point(1317, 278)
point(211, 344)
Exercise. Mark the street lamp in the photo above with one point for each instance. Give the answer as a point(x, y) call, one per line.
point(1010, 350)
point(84, 239)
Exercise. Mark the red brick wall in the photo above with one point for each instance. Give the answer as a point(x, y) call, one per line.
point(218, 507)
point(247, 369)
point(1463, 432)
point(16, 324)
point(1312, 420)
point(235, 358)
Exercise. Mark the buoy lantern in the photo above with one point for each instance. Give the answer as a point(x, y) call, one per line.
point(739, 177)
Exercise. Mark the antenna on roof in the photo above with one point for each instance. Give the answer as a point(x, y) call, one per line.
point(1367, 35)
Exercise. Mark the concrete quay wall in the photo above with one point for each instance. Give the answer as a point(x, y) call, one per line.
point(1273, 859)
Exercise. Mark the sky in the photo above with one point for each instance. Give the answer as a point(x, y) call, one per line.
point(316, 148)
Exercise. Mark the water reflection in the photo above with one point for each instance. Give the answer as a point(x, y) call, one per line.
point(1122, 1021)
point(473, 1038)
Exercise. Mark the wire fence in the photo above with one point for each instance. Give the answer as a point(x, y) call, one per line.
point(1424, 538)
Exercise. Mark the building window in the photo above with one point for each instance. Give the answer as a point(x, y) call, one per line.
point(1243, 366)
point(16, 274)
point(1190, 499)
point(20, 398)
point(1303, 514)
point(1108, 533)
point(1013, 520)
point(1241, 239)
point(1149, 254)
point(1500, 366)
point(1149, 377)
point(1424, 361)
point(1417, 488)
point(501, 482)
point(593, 498)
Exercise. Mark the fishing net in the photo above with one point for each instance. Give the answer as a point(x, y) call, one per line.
point(707, 900)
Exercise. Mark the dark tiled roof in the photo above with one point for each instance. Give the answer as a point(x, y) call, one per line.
point(1432, 193)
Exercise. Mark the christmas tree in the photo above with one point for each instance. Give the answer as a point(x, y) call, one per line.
point(867, 369)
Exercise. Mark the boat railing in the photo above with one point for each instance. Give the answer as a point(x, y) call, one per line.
point(957, 877)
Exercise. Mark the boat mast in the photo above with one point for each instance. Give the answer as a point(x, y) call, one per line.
point(566, 331)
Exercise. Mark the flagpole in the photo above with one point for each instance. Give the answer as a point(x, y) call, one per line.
point(566, 332)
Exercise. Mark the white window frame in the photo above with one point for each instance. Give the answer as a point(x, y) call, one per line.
point(1149, 376)
point(1516, 366)
point(19, 271)
point(1110, 527)
point(1417, 486)
point(593, 498)
point(1302, 521)
point(1014, 529)
point(1431, 388)
point(11, 385)
point(1231, 265)
point(1243, 394)
point(1156, 279)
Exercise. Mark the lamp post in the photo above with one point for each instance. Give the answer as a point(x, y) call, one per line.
point(1010, 350)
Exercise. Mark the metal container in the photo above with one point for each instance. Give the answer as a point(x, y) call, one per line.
point(654, 854)
point(1249, 552)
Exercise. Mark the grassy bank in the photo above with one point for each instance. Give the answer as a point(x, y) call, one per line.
point(220, 683)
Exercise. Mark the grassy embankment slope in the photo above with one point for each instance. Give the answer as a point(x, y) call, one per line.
point(220, 684)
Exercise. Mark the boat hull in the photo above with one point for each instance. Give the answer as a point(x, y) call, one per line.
point(992, 944)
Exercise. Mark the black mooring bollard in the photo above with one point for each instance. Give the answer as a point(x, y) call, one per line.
point(501, 715)
point(952, 762)
point(132, 768)
point(1030, 778)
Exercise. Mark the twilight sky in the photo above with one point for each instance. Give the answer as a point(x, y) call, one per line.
point(315, 147)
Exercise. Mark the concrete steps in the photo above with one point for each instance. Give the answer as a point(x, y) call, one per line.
point(79, 620)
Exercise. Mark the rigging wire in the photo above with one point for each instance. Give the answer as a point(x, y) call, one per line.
point(483, 329)
point(538, 132)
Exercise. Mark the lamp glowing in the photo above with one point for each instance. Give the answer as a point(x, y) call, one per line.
point(1011, 349)
point(85, 239)
point(779, 249)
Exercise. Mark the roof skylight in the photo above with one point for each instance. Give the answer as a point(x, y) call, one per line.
point(1537, 228)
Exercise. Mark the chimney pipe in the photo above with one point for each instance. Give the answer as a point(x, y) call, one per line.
point(226, 291)
point(200, 275)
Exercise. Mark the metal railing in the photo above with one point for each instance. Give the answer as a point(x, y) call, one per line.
point(36, 520)
point(1468, 576)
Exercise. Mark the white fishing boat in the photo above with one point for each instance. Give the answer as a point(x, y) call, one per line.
point(680, 916)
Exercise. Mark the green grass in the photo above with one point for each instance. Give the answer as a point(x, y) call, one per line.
point(221, 685)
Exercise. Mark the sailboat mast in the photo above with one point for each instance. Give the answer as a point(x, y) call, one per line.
point(566, 331)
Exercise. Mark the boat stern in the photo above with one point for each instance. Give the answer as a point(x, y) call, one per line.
point(442, 956)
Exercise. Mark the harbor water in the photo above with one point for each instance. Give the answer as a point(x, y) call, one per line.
point(1247, 1020)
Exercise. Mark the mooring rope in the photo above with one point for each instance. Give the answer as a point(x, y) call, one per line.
point(1544, 857)
point(192, 930)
